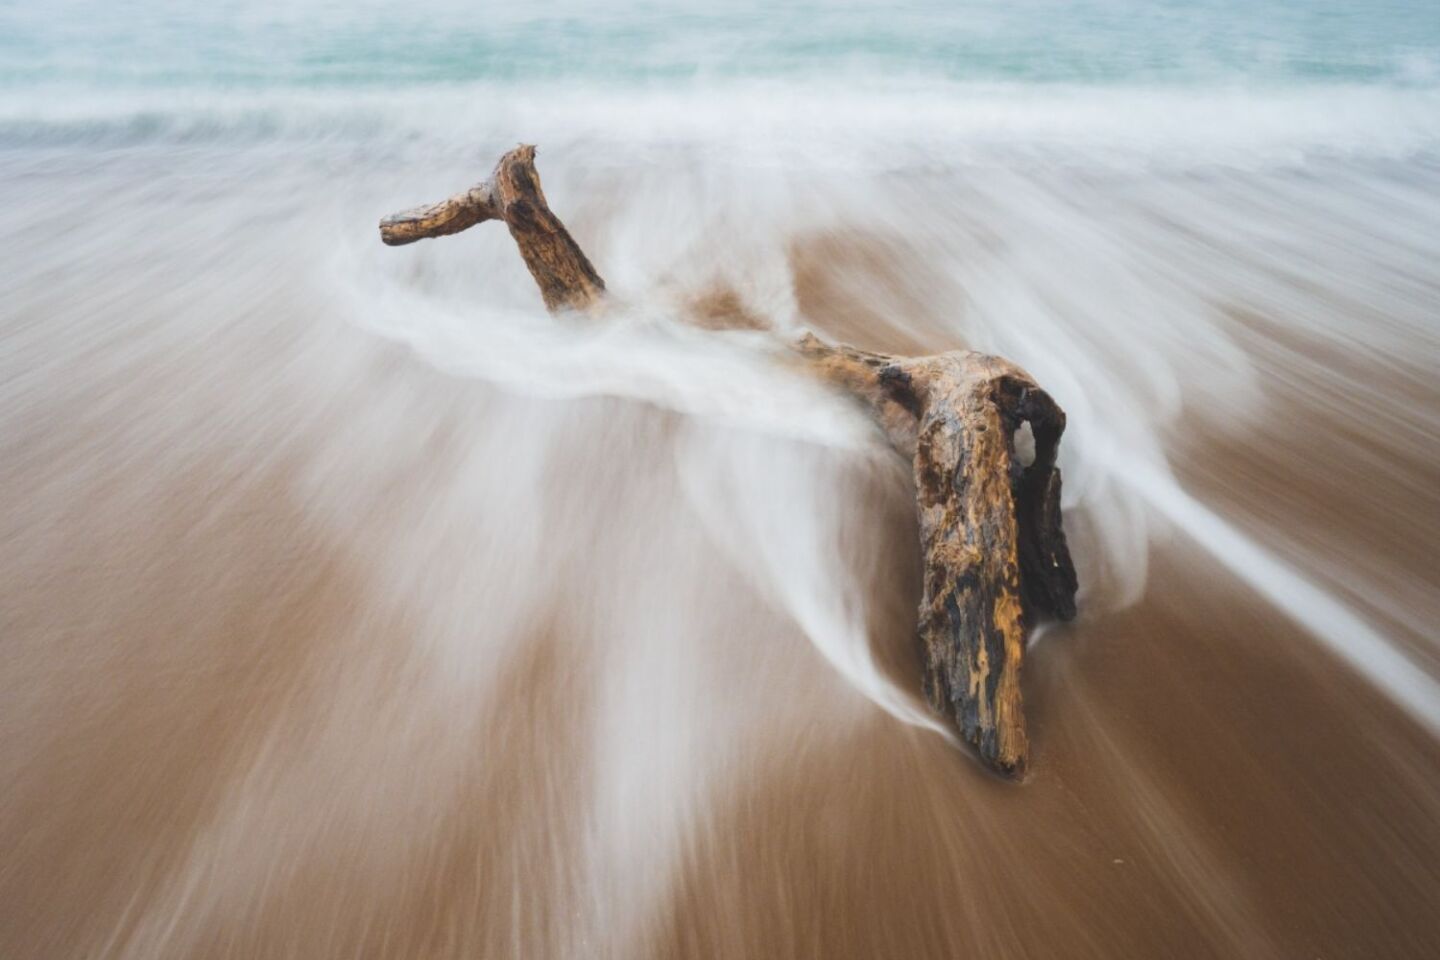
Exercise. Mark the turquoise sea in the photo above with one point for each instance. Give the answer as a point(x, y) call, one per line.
point(131, 71)
point(317, 44)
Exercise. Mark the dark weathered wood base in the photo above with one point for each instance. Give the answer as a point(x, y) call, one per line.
point(994, 551)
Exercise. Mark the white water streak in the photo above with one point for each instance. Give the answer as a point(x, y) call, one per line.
point(1340, 629)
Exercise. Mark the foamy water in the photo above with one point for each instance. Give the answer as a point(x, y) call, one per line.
point(353, 605)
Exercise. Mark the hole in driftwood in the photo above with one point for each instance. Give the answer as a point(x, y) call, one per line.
point(1024, 442)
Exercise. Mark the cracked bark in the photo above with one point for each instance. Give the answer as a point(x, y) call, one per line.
point(995, 558)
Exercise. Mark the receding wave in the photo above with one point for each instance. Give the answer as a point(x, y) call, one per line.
point(866, 125)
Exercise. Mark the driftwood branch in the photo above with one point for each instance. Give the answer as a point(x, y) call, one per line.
point(995, 556)
point(559, 266)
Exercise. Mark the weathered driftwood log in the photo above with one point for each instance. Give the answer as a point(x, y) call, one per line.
point(995, 557)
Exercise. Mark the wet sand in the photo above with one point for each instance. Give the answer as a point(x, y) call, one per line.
point(312, 649)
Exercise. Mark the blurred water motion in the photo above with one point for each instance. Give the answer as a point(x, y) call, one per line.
point(351, 605)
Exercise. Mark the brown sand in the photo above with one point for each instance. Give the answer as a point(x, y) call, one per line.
point(310, 650)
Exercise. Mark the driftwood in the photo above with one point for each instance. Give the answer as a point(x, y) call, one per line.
point(995, 558)
point(559, 266)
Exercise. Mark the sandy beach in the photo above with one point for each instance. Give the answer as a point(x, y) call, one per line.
point(351, 605)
